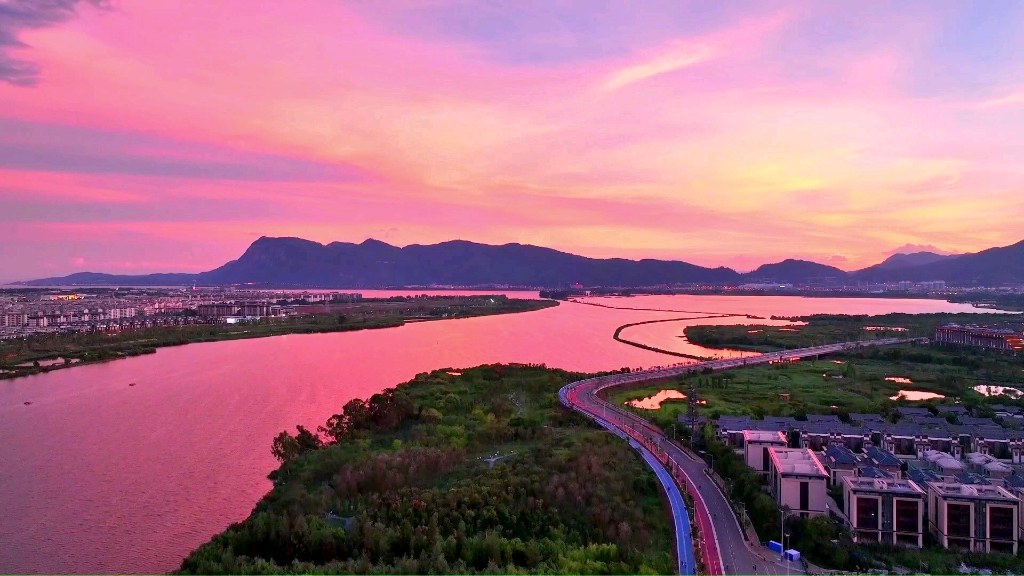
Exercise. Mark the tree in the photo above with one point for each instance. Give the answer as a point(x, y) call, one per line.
point(287, 447)
point(354, 416)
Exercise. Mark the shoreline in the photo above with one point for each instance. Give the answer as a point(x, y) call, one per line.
point(13, 372)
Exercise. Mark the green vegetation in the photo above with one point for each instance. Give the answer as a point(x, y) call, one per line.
point(857, 384)
point(826, 329)
point(401, 483)
point(88, 347)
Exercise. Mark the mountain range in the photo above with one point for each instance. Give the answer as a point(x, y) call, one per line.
point(294, 262)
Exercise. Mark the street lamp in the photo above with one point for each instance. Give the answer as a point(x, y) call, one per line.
point(785, 535)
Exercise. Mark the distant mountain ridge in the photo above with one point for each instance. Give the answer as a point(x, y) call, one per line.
point(908, 260)
point(294, 262)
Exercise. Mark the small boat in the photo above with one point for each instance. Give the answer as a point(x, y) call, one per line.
point(27, 403)
point(132, 384)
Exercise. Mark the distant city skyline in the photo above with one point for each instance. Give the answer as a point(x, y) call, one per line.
point(166, 137)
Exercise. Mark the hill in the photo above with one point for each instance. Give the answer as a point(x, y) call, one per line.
point(298, 263)
point(798, 272)
point(375, 264)
point(992, 267)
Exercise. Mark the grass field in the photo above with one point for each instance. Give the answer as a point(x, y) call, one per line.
point(854, 382)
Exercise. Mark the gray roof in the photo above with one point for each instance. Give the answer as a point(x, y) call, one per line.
point(922, 475)
point(952, 409)
point(840, 455)
point(829, 418)
point(883, 457)
point(972, 421)
point(1014, 481)
point(912, 411)
point(971, 478)
point(872, 472)
point(867, 417)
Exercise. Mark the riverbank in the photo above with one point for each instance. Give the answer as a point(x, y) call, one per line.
point(37, 354)
point(453, 472)
point(617, 336)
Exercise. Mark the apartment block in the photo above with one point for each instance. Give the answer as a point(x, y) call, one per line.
point(886, 511)
point(798, 480)
point(756, 444)
point(979, 517)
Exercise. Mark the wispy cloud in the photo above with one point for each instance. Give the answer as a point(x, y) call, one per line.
point(676, 58)
point(1015, 99)
point(19, 15)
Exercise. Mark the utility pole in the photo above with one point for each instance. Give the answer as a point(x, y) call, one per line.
point(693, 413)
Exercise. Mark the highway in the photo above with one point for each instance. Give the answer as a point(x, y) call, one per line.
point(722, 546)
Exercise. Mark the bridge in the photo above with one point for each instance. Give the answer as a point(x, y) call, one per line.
point(721, 547)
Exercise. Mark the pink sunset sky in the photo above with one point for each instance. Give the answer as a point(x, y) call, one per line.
point(151, 135)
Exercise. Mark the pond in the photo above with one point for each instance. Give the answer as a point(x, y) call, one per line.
point(654, 402)
point(989, 390)
point(916, 395)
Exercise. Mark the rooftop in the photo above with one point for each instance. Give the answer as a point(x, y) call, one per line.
point(765, 437)
point(840, 454)
point(971, 478)
point(796, 461)
point(872, 472)
point(882, 457)
point(972, 491)
point(922, 476)
point(912, 411)
point(828, 418)
point(862, 484)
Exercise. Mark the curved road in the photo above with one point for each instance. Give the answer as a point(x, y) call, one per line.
point(723, 546)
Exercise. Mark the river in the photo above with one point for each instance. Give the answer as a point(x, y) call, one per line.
point(97, 476)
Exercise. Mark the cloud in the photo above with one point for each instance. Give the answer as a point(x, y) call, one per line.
point(914, 248)
point(1016, 98)
point(675, 59)
point(33, 146)
point(837, 258)
point(19, 15)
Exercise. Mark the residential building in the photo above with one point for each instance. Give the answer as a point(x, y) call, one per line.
point(885, 460)
point(982, 518)
point(886, 511)
point(798, 480)
point(14, 319)
point(756, 444)
point(980, 336)
point(840, 462)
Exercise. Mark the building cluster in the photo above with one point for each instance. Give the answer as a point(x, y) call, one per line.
point(114, 311)
point(953, 476)
point(1006, 339)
